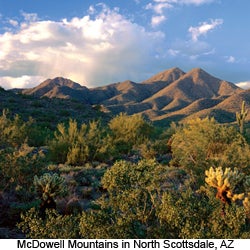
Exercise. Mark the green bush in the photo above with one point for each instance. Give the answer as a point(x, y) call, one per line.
point(197, 215)
point(76, 145)
point(53, 226)
point(19, 166)
point(128, 131)
point(202, 143)
point(13, 132)
point(129, 210)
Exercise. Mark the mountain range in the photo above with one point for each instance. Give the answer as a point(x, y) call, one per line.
point(171, 95)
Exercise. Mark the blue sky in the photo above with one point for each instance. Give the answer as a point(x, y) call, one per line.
point(99, 42)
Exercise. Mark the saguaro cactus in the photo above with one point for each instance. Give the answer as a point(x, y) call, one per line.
point(241, 117)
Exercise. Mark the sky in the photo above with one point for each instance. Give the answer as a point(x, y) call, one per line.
point(96, 43)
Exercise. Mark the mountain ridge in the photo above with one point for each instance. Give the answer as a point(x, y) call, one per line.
point(171, 94)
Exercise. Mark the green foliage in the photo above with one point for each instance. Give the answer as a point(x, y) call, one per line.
point(140, 203)
point(75, 146)
point(183, 215)
point(229, 223)
point(202, 143)
point(18, 167)
point(197, 215)
point(13, 132)
point(133, 195)
point(125, 199)
point(54, 226)
point(128, 131)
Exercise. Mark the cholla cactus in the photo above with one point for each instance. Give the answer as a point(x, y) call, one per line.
point(49, 185)
point(225, 183)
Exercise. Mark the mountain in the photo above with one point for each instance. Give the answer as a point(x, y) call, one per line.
point(48, 112)
point(169, 95)
point(59, 87)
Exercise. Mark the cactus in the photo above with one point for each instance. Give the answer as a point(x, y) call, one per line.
point(241, 117)
point(225, 183)
point(48, 187)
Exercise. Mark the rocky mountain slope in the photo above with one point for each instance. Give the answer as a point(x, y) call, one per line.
point(171, 95)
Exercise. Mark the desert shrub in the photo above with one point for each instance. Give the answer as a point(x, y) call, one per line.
point(128, 210)
point(76, 145)
point(13, 132)
point(38, 135)
point(128, 131)
point(183, 215)
point(202, 143)
point(53, 226)
point(19, 166)
point(198, 215)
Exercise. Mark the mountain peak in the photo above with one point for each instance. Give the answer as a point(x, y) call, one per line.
point(59, 81)
point(199, 72)
point(52, 86)
point(169, 76)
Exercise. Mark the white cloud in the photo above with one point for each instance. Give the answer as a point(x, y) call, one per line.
point(195, 2)
point(20, 82)
point(204, 28)
point(170, 3)
point(231, 59)
point(190, 50)
point(30, 17)
point(160, 6)
point(13, 22)
point(244, 85)
point(157, 20)
point(173, 52)
point(91, 50)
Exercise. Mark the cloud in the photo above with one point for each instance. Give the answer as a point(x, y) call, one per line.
point(160, 6)
point(157, 20)
point(195, 2)
point(204, 28)
point(95, 49)
point(244, 85)
point(231, 59)
point(20, 82)
point(13, 22)
point(190, 49)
